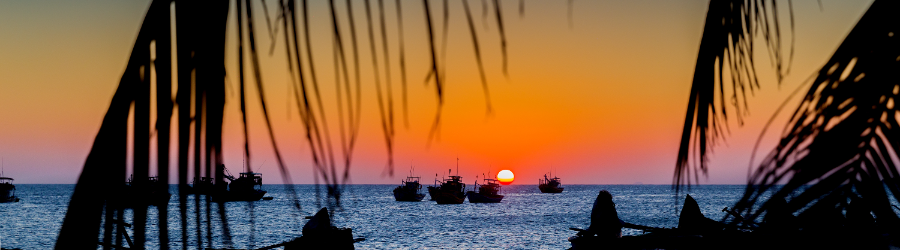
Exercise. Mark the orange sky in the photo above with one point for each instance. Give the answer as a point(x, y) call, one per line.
point(602, 102)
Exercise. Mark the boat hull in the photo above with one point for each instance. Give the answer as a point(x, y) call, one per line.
point(406, 196)
point(7, 193)
point(549, 189)
point(449, 198)
point(409, 190)
point(432, 191)
point(9, 199)
point(482, 198)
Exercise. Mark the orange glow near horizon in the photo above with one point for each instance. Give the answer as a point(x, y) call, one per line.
point(505, 177)
point(596, 94)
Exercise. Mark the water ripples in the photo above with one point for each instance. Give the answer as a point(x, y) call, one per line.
point(526, 219)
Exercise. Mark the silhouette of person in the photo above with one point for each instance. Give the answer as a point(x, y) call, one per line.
point(320, 233)
point(605, 220)
point(320, 223)
point(692, 220)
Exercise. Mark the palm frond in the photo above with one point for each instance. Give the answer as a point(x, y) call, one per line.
point(105, 162)
point(498, 12)
point(840, 145)
point(355, 65)
point(484, 83)
point(727, 43)
point(200, 29)
point(317, 128)
point(433, 72)
point(484, 13)
point(521, 8)
point(349, 131)
point(262, 99)
point(444, 36)
point(164, 108)
point(402, 62)
point(383, 108)
point(185, 25)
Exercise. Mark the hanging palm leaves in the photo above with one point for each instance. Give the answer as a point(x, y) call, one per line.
point(727, 43)
point(840, 145)
point(200, 98)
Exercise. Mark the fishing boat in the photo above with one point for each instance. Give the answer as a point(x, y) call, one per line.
point(550, 185)
point(202, 185)
point(7, 190)
point(409, 190)
point(487, 192)
point(433, 189)
point(247, 187)
point(146, 192)
point(450, 191)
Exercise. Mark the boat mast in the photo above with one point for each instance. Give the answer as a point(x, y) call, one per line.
point(457, 165)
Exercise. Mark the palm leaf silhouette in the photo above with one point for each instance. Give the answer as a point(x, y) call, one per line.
point(840, 144)
point(200, 29)
point(727, 43)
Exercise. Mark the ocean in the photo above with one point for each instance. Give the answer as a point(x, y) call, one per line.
point(526, 219)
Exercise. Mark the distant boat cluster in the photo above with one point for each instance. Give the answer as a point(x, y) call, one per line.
point(246, 187)
point(151, 192)
point(453, 191)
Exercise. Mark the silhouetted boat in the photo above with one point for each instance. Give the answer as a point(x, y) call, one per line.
point(550, 185)
point(409, 190)
point(147, 192)
point(7, 190)
point(247, 187)
point(487, 193)
point(432, 190)
point(449, 192)
point(202, 185)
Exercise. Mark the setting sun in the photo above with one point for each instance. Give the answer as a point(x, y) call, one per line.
point(505, 177)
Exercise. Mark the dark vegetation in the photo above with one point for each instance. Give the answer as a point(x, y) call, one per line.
point(837, 153)
point(837, 157)
point(200, 32)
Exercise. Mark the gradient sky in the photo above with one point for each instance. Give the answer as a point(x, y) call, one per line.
point(601, 102)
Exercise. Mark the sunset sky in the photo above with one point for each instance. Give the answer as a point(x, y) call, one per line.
point(599, 102)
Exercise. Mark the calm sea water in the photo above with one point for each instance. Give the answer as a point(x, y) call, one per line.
point(526, 219)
